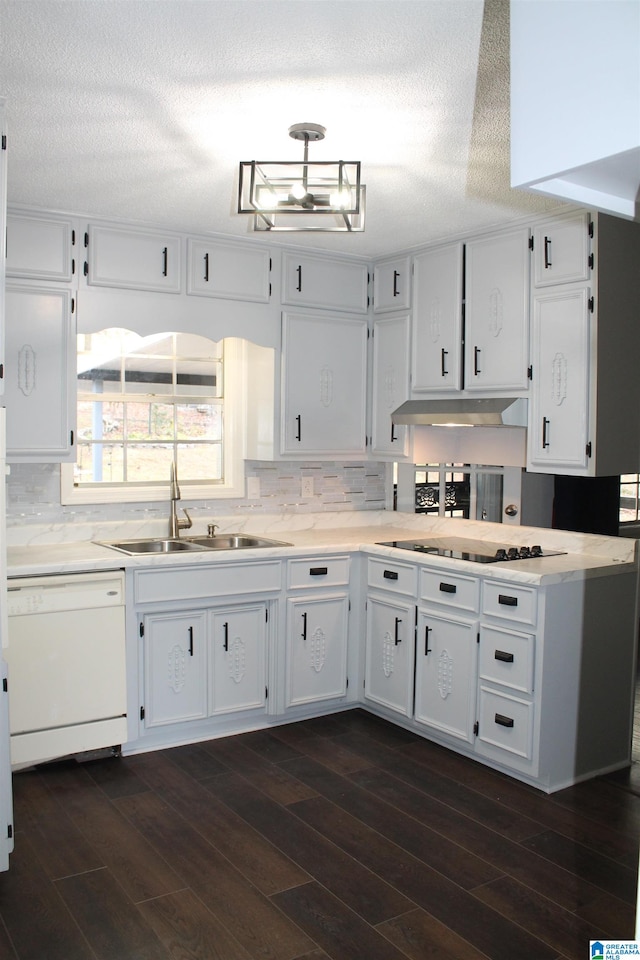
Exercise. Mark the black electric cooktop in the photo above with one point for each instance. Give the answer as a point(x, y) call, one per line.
point(460, 550)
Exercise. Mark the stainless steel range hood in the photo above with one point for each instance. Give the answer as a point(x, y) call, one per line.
point(467, 412)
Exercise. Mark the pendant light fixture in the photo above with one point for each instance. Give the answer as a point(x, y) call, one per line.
point(320, 195)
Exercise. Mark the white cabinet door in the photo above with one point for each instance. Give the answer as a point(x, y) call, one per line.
point(390, 653)
point(437, 319)
point(175, 675)
point(228, 271)
point(317, 630)
point(392, 285)
point(324, 282)
point(134, 260)
point(237, 658)
point(561, 250)
point(558, 431)
point(446, 670)
point(39, 248)
point(497, 312)
point(324, 385)
point(40, 373)
point(390, 384)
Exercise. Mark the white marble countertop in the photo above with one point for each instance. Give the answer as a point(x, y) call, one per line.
point(53, 552)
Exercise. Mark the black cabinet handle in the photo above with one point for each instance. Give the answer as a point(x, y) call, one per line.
point(395, 283)
point(299, 428)
point(443, 363)
point(547, 252)
point(206, 268)
point(545, 425)
point(504, 656)
point(165, 261)
point(390, 575)
point(225, 628)
point(503, 721)
point(476, 361)
point(507, 601)
point(304, 627)
point(427, 648)
point(393, 432)
point(318, 571)
point(190, 641)
point(396, 638)
point(448, 588)
point(299, 272)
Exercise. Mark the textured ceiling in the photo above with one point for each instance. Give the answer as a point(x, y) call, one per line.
point(141, 109)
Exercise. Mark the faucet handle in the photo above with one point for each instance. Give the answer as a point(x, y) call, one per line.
point(211, 529)
point(185, 524)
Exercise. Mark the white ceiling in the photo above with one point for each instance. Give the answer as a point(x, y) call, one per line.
point(142, 109)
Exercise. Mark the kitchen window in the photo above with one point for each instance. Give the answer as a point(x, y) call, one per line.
point(146, 402)
point(466, 490)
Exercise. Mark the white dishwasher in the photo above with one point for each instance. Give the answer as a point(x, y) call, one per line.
point(67, 666)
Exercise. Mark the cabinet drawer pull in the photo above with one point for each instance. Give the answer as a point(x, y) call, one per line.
point(448, 588)
point(396, 637)
point(504, 656)
point(390, 575)
point(318, 571)
point(507, 601)
point(190, 641)
point(165, 261)
point(503, 721)
point(396, 292)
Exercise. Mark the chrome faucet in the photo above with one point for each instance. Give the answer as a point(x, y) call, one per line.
point(176, 523)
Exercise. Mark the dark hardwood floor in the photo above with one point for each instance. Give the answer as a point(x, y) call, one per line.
point(343, 837)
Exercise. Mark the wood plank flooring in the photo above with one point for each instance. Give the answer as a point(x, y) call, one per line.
point(343, 837)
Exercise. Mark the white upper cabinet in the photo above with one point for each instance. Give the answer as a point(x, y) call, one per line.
point(558, 423)
point(561, 250)
point(390, 384)
point(437, 319)
point(392, 285)
point(41, 373)
point(136, 260)
point(497, 312)
point(334, 284)
point(40, 248)
point(230, 271)
point(324, 385)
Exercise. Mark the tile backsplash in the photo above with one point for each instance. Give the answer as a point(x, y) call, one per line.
point(33, 493)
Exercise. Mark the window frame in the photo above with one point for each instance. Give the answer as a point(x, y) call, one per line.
point(234, 412)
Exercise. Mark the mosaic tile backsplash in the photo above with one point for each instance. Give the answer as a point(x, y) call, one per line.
point(33, 494)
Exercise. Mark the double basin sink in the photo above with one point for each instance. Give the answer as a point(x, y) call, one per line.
point(163, 545)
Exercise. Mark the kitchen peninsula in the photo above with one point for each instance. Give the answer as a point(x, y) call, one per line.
point(527, 665)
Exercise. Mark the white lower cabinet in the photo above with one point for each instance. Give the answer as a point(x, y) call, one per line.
point(390, 651)
point(237, 658)
point(175, 679)
point(317, 630)
point(446, 670)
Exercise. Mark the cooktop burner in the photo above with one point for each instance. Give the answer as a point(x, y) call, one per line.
point(465, 551)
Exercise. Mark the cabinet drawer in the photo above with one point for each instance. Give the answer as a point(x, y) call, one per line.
point(460, 592)
point(201, 582)
point(397, 577)
point(506, 722)
point(317, 572)
point(507, 658)
point(510, 601)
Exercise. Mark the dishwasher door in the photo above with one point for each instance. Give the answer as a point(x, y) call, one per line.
point(67, 666)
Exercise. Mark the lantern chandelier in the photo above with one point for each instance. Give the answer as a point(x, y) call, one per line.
point(322, 195)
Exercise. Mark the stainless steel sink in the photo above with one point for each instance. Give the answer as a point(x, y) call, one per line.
point(163, 545)
point(233, 541)
point(154, 545)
